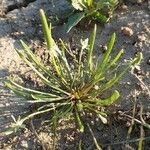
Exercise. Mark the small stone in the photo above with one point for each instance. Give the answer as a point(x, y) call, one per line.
point(92, 122)
point(103, 48)
point(137, 68)
point(7, 104)
point(97, 119)
point(138, 71)
point(127, 31)
point(96, 87)
point(124, 7)
point(90, 114)
point(128, 83)
point(141, 38)
point(24, 144)
point(140, 1)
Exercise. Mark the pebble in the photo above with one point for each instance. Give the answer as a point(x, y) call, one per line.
point(140, 1)
point(138, 71)
point(92, 122)
point(124, 7)
point(103, 48)
point(24, 144)
point(96, 87)
point(127, 31)
point(128, 83)
point(141, 38)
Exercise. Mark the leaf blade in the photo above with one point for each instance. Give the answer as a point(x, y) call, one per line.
point(74, 20)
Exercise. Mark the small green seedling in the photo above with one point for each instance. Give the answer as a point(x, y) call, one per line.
point(74, 87)
point(99, 10)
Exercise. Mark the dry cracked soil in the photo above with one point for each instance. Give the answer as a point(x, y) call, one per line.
point(19, 19)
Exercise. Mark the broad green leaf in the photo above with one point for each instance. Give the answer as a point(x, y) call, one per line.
point(74, 20)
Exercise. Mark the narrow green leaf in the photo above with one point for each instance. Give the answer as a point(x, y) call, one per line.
point(48, 99)
point(115, 79)
point(81, 126)
point(64, 57)
point(31, 90)
point(63, 112)
point(46, 30)
point(100, 17)
point(36, 113)
point(105, 59)
point(84, 44)
point(137, 60)
point(46, 81)
point(37, 62)
point(115, 58)
point(51, 45)
point(91, 47)
point(89, 3)
point(16, 91)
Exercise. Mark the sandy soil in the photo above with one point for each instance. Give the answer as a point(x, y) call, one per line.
point(20, 20)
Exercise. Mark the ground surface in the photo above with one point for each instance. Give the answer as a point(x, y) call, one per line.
point(19, 19)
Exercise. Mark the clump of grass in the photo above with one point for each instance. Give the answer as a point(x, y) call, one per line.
point(74, 86)
point(100, 10)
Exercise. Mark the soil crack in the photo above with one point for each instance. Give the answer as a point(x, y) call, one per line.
point(18, 5)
